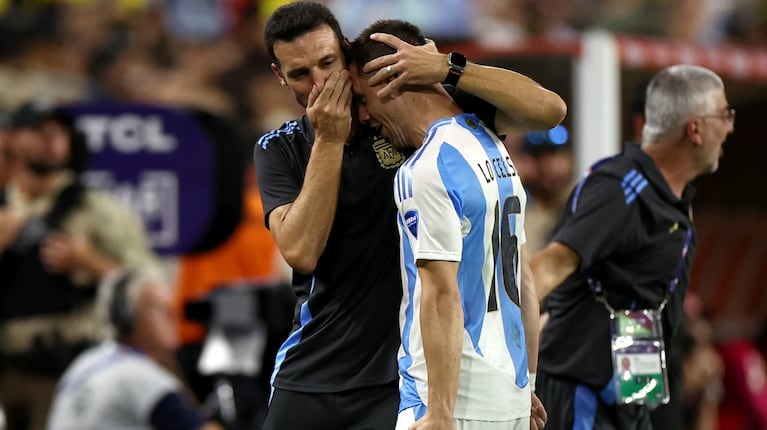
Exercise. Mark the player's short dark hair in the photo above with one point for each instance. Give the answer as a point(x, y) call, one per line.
point(363, 49)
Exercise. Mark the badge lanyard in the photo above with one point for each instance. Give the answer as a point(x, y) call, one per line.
point(638, 350)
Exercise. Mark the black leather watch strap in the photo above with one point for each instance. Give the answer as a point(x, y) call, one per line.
point(456, 62)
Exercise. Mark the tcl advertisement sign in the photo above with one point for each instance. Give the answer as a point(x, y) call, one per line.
point(158, 162)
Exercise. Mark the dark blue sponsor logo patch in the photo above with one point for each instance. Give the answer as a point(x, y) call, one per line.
point(411, 221)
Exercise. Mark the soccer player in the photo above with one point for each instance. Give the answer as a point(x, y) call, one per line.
point(466, 315)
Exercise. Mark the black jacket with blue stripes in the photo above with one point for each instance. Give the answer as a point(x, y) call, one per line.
point(629, 230)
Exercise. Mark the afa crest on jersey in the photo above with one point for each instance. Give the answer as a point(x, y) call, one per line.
point(388, 157)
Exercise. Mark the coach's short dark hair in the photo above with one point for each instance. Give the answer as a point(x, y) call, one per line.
point(296, 19)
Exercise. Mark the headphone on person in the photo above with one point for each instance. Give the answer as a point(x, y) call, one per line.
point(120, 311)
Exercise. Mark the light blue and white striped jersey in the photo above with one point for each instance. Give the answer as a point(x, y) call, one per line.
point(459, 198)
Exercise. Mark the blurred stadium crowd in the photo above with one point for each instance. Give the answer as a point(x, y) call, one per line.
point(209, 53)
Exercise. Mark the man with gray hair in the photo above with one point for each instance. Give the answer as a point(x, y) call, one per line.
point(617, 270)
point(119, 383)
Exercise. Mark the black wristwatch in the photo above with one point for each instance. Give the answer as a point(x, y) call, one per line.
point(457, 62)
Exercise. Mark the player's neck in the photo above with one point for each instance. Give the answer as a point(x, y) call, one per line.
point(424, 108)
point(431, 108)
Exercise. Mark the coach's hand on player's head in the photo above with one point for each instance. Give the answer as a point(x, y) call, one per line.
point(410, 65)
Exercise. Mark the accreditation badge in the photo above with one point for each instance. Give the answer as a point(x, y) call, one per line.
point(639, 357)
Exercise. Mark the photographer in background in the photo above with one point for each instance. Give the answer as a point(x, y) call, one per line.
point(59, 239)
point(119, 383)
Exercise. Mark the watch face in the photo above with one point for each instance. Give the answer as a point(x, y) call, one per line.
point(456, 59)
point(456, 63)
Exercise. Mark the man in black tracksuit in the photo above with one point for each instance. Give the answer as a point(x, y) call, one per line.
point(627, 237)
